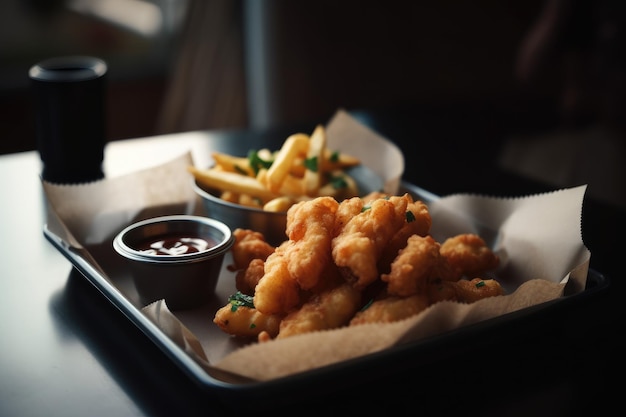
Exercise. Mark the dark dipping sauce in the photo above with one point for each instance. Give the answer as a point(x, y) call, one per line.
point(175, 245)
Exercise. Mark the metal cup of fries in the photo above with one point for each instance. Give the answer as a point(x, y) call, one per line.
point(255, 192)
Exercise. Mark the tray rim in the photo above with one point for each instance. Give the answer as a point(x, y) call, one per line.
point(202, 377)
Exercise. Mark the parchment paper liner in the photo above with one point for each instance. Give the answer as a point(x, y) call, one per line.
point(538, 239)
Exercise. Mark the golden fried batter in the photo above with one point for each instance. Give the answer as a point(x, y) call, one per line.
point(469, 254)
point(412, 267)
point(277, 292)
point(310, 226)
point(330, 278)
point(247, 279)
point(445, 271)
point(327, 310)
point(360, 243)
point(339, 254)
point(248, 245)
point(246, 321)
point(478, 288)
point(418, 222)
point(346, 211)
point(464, 291)
point(391, 309)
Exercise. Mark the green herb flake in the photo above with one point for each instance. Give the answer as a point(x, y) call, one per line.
point(240, 299)
point(256, 162)
point(410, 217)
point(480, 284)
point(366, 306)
point(252, 325)
point(334, 157)
point(311, 164)
point(338, 182)
point(365, 208)
point(241, 170)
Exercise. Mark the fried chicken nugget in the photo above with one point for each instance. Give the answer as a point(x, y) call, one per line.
point(310, 226)
point(413, 266)
point(468, 254)
point(359, 244)
point(331, 277)
point(328, 310)
point(346, 211)
point(247, 279)
point(249, 245)
point(240, 318)
point(445, 271)
point(277, 292)
point(418, 222)
point(441, 290)
point(477, 289)
point(464, 291)
point(390, 309)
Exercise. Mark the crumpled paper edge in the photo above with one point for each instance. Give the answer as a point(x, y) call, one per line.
point(469, 213)
point(284, 357)
point(160, 315)
point(114, 205)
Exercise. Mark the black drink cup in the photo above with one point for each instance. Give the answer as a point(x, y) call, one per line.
point(69, 110)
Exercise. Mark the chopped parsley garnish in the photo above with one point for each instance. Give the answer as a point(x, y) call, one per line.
point(366, 306)
point(256, 162)
point(240, 170)
point(480, 284)
point(369, 206)
point(338, 182)
point(252, 325)
point(334, 157)
point(410, 217)
point(240, 299)
point(311, 164)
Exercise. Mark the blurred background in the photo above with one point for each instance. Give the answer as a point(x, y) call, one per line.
point(549, 75)
point(137, 39)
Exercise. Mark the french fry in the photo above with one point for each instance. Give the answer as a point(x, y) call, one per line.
point(290, 186)
point(233, 163)
point(250, 201)
point(334, 160)
point(265, 154)
point(224, 180)
point(295, 144)
point(229, 196)
point(297, 167)
point(314, 157)
point(331, 161)
point(279, 204)
point(261, 177)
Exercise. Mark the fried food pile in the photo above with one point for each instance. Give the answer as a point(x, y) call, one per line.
point(362, 260)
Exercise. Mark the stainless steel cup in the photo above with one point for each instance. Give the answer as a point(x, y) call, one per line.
point(185, 280)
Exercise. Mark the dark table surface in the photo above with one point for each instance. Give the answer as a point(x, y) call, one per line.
point(67, 351)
